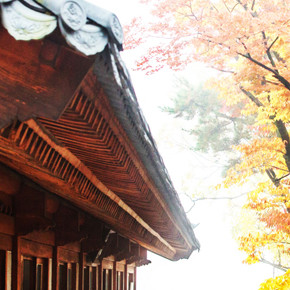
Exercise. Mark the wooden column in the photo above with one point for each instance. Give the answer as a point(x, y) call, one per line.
point(81, 271)
point(49, 273)
point(100, 276)
point(55, 272)
point(126, 277)
point(95, 278)
point(16, 264)
point(115, 275)
point(75, 276)
point(135, 278)
point(8, 264)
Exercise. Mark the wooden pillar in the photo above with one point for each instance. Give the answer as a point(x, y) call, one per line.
point(100, 276)
point(8, 265)
point(95, 278)
point(115, 275)
point(55, 272)
point(135, 278)
point(75, 276)
point(16, 264)
point(49, 274)
point(81, 271)
point(126, 277)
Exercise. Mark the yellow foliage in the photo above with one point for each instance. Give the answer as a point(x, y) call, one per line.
point(279, 283)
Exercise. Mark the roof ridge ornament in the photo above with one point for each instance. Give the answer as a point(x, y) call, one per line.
point(24, 23)
point(100, 16)
point(73, 14)
point(85, 26)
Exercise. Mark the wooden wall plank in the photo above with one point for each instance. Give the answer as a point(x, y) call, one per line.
point(36, 249)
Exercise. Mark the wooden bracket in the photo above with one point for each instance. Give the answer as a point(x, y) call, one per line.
point(30, 215)
point(27, 224)
point(67, 228)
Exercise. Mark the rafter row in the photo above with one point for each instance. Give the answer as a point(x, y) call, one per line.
point(47, 157)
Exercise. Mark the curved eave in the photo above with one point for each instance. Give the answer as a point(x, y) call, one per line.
point(59, 171)
point(120, 92)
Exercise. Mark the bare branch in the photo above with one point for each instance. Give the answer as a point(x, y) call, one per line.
point(194, 200)
point(253, 4)
point(277, 266)
point(234, 7)
point(273, 43)
point(222, 70)
point(225, 4)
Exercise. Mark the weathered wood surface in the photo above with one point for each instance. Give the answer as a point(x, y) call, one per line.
point(77, 147)
point(38, 78)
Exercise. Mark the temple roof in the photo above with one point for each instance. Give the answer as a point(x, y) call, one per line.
point(92, 30)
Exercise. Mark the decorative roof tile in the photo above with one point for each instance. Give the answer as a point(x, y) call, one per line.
point(86, 27)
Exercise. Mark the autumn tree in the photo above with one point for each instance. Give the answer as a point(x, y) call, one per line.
point(248, 42)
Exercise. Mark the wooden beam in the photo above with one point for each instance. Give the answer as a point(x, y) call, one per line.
point(63, 238)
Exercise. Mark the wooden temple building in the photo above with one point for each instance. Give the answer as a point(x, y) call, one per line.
point(83, 190)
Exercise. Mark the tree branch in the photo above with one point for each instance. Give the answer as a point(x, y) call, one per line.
point(277, 266)
point(194, 200)
point(268, 50)
point(273, 43)
point(271, 174)
point(253, 4)
point(279, 124)
point(282, 80)
point(284, 135)
point(252, 97)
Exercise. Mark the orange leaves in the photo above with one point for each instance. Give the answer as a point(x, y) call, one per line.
point(280, 221)
point(219, 30)
point(256, 244)
point(257, 156)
